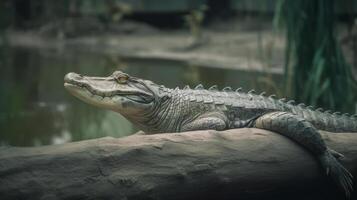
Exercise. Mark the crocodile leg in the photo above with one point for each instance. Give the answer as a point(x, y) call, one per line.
point(336, 154)
point(305, 134)
point(204, 123)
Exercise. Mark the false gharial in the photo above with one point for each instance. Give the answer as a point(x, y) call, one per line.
point(157, 109)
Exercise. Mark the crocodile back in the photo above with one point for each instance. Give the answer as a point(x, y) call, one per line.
point(246, 105)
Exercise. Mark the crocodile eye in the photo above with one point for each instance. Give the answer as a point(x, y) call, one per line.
point(122, 79)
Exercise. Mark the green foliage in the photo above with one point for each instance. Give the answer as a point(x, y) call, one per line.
point(316, 71)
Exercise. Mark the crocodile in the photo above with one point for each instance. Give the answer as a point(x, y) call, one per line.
point(157, 109)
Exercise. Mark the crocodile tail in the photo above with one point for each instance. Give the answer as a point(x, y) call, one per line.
point(340, 175)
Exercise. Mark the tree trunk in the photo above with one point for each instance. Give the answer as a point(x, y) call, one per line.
point(233, 164)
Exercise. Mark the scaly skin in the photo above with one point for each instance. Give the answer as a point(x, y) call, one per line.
point(157, 109)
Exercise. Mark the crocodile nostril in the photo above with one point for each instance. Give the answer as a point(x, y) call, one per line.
point(72, 76)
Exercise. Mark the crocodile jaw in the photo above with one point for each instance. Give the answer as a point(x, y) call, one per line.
point(105, 92)
point(112, 103)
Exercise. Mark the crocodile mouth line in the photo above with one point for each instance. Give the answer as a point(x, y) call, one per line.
point(138, 97)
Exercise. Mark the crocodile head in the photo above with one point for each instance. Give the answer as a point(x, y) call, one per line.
point(130, 96)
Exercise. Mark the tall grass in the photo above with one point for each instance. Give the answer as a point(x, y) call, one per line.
point(316, 71)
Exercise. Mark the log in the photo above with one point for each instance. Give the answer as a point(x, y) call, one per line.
point(233, 164)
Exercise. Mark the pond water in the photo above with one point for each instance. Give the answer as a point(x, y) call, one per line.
point(36, 110)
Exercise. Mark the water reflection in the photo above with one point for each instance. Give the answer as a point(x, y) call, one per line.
point(36, 110)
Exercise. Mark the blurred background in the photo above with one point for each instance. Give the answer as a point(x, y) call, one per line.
point(303, 50)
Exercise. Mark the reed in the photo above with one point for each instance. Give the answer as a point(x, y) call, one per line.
point(316, 71)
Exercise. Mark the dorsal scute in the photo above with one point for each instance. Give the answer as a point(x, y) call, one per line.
point(207, 99)
point(261, 95)
point(187, 87)
point(162, 88)
point(346, 114)
point(217, 99)
point(227, 89)
point(199, 97)
point(319, 109)
point(251, 92)
point(239, 89)
point(336, 113)
point(199, 87)
point(282, 100)
point(328, 111)
point(186, 96)
point(291, 102)
point(213, 88)
point(272, 96)
point(302, 105)
point(310, 107)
